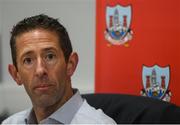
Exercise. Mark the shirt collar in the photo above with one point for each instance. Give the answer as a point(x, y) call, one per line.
point(31, 119)
point(64, 114)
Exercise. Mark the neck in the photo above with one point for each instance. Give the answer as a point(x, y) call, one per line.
point(44, 112)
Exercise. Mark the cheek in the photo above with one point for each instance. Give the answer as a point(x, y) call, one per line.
point(59, 73)
point(26, 79)
point(25, 76)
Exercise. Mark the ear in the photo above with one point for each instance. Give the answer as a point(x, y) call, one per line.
point(72, 63)
point(14, 73)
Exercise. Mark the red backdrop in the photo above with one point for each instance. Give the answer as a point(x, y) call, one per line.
point(155, 40)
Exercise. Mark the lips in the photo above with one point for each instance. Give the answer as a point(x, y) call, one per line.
point(43, 87)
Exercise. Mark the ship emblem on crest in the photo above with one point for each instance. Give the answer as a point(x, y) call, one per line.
point(155, 82)
point(118, 20)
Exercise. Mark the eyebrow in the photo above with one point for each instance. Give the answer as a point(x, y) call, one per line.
point(27, 53)
point(45, 49)
point(49, 48)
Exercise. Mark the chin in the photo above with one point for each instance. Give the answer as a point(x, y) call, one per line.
point(44, 101)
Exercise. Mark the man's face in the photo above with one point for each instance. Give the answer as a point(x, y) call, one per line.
point(41, 67)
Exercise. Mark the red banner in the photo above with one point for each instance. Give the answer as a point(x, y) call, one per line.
point(138, 48)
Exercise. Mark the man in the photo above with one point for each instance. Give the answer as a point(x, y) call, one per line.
point(43, 61)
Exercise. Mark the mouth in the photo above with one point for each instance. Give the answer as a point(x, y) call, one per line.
point(43, 87)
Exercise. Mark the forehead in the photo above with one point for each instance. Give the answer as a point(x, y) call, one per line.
point(37, 34)
point(37, 39)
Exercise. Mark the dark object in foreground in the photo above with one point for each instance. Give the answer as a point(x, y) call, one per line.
point(135, 109)
point(3, 116)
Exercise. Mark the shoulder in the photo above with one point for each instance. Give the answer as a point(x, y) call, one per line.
point(88, 114)
point(17, 118)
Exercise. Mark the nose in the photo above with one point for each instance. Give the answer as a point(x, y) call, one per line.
point(40, 69)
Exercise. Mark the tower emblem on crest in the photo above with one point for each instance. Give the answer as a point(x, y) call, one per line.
point(155, 82)
point(118, 20)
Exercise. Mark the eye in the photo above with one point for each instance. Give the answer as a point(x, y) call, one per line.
point(27, 61)
point(50, 56)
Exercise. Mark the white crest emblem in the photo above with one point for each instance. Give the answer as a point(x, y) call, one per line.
point(155, 82)
point(118, 20)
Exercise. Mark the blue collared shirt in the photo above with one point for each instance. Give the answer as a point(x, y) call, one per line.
point(75, 111)
point(66, 113)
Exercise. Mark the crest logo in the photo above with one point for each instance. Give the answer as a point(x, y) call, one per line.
point(155, 82)
point(118, 20)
